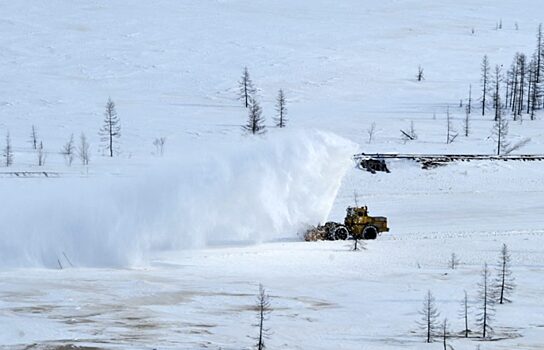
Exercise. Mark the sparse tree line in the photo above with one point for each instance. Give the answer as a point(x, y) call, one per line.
point(247, 94)
point(110, 134)
point(518, 90)
point(492, 290)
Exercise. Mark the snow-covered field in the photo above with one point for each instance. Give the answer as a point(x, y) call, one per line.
point(168, 252)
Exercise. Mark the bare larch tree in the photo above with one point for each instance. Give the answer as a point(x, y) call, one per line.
point(255, 121)
point(466, 124)
point(536, 90)
point(454, 261)
point(500, 131)
point(281, 109)
point(445, 334)
point(111, 129)
point(429, 317)
point(34, 137)
point(8, 151)
point(464, 314)
point(371, 131)
point(486, 308)
point(83, 149)
point(159, 143)
point(469, 107)
point(246, 88)
point(497, 80)
point(68, 150)
point(41, 154)
point(504, 281)
point(420, 75)
point(485, 80)
point(451, 135)
point(264, 309)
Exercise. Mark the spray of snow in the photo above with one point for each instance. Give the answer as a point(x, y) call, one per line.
point(263, 189)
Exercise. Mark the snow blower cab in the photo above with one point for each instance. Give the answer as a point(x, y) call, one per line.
point(362, 226)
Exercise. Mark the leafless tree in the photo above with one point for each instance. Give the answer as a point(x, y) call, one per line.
point(451, 135)
point(34, 137)
point(429, 317)
point(486, 309)
point(504, 282)
point(454, 261)
point(469, 107)
point(8, 151)
point(159, 145)
point(111, 129)
point(68, 150)
point(41, 154)
point(246, 89)
point(83, 149)
point(486, 69)
point(466, 125)
point(537, 69)
point(413, 131)
point(420, 75)
point(371, 131)
point(445, 335)
point(255, 122)
point(281, 109)
point(264, 309)
point(464, 313)
point(497, 80)
point(500, 132)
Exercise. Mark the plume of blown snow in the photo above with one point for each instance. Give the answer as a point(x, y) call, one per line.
point(258, 190)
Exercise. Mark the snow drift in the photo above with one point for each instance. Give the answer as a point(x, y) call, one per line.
point(262, 189)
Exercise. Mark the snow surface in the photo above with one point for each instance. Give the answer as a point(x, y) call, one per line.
point(168, 252)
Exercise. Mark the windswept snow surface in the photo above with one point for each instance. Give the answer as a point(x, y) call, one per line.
point(167, 252)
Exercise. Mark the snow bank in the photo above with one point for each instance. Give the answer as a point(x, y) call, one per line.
point(258, 190)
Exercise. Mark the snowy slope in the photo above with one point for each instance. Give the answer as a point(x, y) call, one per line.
point(127, 223)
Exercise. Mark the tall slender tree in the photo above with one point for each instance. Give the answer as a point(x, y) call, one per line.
point(246, 89)
point(263, 309)
point(111, 129)
point(539, 69)
point(504, 280)
point(41, 154)
point(84, 149)
point(486, 301)
point(281, 109)
point(530, 78)
point(8, 151)
point(34, 137)
point(497, 80)
point(429, 317)
point(451, 135)
point(500, 131)
point(522, 82)
point(470, 99)
point(486, 70)
point(466, 125)
point(445, 334)
point(464, 314)
point(68, 150)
